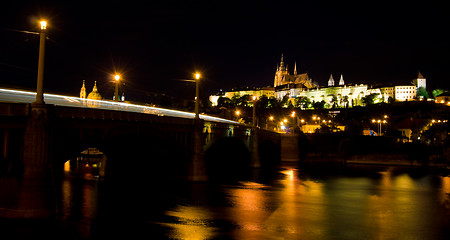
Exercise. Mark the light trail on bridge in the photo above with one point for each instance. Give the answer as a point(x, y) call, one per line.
point(21, 96)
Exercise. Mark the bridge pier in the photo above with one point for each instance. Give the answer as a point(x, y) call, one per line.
point(197, 165)
point(34, 196)
point(255, 161)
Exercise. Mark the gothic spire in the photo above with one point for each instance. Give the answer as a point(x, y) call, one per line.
point(331, 81)
point(282, 63)
point(341, 81)
point(295, 68)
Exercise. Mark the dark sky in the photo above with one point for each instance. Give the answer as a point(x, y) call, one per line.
point(233, 43)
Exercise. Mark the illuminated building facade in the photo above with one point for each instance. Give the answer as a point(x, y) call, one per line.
point(258, 92)
point(301, 85)
point(94, 95)
point(339, 95)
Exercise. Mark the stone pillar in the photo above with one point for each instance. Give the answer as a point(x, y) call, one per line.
point(197, 165)
point(36, 193)
point(255, 161)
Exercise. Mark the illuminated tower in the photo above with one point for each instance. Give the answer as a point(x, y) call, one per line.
point(331, 81)
point(83, 91)
point(420, 81)
point(280, 73)
point(341, 81)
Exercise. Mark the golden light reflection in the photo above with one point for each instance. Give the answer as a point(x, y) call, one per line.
point(193, 223)
point(249, 203)
point(380, 210)
point(67, 166)
point(404, 182)
point(445, 192)
point(292, 216)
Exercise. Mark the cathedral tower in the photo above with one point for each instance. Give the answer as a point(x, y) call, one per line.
point(83, 91)
point(280, 73)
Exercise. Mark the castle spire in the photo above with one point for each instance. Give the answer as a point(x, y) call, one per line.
point(331, 81)
point(295, 68)
point(282, 63)
point(420, 75)
point(341, 81)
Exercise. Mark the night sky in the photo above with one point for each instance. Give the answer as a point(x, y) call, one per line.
point(232, 43)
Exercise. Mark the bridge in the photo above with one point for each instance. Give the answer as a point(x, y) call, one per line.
point(37, 139)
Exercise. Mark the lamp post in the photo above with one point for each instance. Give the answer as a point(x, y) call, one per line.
point(254, 112)
point(379, 121)
point(294, 118)
point(116, 91)
point(197, 169)
point(197, 97)
point(40, 75)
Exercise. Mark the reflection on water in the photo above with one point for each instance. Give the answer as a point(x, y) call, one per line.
point(358, 203)
point(192, 223)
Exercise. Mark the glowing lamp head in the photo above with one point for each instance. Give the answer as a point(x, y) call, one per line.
point(117, 77)
point(43, 24)
point(254, 98)
point(197, 76)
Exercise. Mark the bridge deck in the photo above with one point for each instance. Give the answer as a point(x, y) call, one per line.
point(20, 96)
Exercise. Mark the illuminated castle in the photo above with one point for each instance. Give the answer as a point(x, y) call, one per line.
point(341, 95)
point(301, 85)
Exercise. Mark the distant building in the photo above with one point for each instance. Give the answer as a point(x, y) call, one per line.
point(342, 95)
point(405, 93)
point(94, 95)
point(420, 81)
point(300, 85)
point(443, 98)
point(258, 92)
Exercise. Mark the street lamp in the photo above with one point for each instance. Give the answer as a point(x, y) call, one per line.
point(197, 93)
point(116, 91)
point(40, 77)
point(379, 121)
point(294, 119)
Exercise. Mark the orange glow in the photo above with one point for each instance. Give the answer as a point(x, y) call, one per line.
point(43, 24)
point(67, 166)
point(117, 77)
point(193, 223)
point(197, 76)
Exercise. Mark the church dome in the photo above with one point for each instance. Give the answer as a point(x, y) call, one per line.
point(95, 95)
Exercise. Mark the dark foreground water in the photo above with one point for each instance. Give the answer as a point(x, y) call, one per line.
point(356, 202)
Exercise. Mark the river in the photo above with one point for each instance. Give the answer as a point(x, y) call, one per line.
point(291, 202)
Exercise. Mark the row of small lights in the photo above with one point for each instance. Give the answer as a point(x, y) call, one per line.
point(271, 118)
